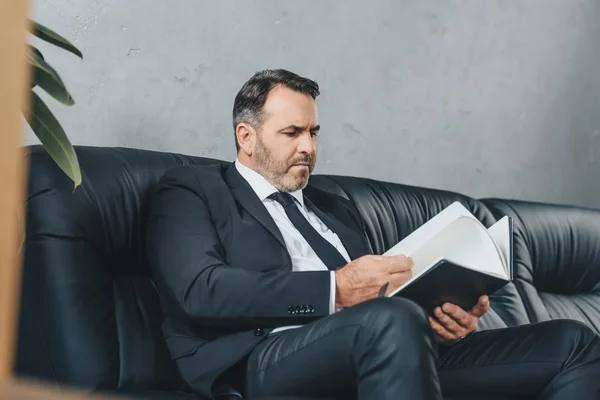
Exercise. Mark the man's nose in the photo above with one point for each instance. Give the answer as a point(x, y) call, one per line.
point(306, 143)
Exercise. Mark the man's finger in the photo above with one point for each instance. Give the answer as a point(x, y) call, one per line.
point(401, 275)
point(450, 324)
point(397, 279)
point(440, 330)
point(482, 306)
point(400, 264)
point(462, 317)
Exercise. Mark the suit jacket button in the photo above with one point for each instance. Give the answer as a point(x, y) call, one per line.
point(259, 332)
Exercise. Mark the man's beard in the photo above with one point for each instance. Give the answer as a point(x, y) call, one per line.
point(276, 171)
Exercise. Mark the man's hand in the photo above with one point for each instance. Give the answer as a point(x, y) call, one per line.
point(363, 278)
point(451, 323)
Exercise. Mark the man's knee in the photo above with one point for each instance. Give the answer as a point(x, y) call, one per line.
point(391, 331)
point(396, 314)
point(572, 334)
point(570, 328)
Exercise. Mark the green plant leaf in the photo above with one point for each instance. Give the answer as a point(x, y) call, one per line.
point(48, 79)
point(39, 54)
point(48, 130)
point(50, 36)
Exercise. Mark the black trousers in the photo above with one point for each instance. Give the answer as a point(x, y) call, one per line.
point(385, 349)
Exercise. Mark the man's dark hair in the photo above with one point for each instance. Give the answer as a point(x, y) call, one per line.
point(249, 102)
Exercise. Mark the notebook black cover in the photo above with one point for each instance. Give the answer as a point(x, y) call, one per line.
point(449, 282)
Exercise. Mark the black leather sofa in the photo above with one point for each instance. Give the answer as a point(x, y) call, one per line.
point(90, 316)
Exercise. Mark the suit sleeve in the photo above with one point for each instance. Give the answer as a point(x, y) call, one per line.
point(188, 262)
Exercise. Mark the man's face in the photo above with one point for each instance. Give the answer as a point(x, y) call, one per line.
point(285, 147)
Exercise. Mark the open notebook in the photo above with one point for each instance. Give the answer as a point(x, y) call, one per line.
point(456, 259)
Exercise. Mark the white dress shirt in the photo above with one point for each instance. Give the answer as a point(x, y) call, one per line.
point(303, 256)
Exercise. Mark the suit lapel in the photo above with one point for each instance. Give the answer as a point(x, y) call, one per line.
point(248, 199)
point(244, 194)
point(351, 239)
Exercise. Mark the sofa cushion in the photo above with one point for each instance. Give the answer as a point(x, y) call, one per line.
point(557, 259)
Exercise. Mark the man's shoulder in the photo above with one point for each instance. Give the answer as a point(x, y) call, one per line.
point(206, 178)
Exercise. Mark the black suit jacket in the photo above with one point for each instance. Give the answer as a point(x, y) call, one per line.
point(223, 272)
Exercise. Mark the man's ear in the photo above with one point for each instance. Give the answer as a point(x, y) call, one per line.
point(246, 137)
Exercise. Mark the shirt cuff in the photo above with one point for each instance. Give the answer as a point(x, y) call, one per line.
point(332, 309)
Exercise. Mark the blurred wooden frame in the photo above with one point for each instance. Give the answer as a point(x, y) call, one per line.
point(13, 84)
point(13, 97)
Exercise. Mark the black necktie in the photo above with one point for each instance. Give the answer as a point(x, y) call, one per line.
point(330, 256)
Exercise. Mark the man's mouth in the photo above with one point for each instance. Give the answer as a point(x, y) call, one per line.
point(302, 165)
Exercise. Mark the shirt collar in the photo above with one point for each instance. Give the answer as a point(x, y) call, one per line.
point(261, 186)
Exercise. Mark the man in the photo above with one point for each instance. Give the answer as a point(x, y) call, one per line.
point(270, 289)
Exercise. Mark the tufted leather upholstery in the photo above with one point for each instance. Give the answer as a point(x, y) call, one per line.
point(90, 316)
point(557, 259)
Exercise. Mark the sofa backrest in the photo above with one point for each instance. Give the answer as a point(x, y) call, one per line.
point(556, 259)
point(90, 314)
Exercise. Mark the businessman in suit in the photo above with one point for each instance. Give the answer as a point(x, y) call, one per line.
point(270, 288)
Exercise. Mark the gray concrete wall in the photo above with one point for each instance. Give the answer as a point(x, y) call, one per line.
point(488, 98)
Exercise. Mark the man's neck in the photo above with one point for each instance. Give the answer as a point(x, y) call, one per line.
point(246, 161)
point(260, 184)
